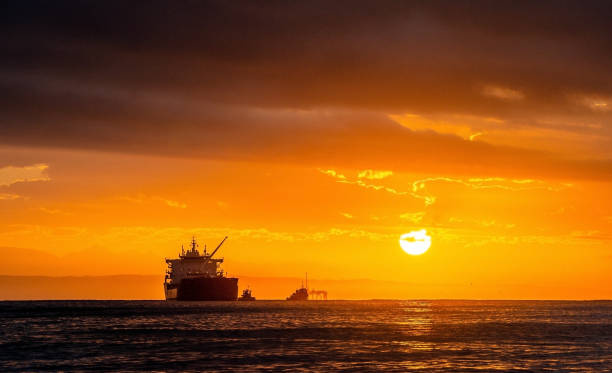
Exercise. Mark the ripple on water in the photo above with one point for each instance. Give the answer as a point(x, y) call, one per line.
point(353, 335)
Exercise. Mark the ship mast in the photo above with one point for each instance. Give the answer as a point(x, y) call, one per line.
point(213, 253)
point(193, 245)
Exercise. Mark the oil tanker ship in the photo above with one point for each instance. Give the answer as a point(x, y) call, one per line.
point(198, 277)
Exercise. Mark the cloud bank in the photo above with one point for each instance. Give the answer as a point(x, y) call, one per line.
point(316, 81)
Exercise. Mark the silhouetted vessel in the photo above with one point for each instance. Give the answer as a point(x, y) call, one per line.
point(246, 295)
point(301, 293)
point(198, 277)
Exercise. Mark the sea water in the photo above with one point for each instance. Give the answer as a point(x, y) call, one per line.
point(451, 336)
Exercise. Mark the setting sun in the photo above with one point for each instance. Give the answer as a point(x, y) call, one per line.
point(416, 242)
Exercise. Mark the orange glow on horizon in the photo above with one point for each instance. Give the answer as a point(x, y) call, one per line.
point(96, 214)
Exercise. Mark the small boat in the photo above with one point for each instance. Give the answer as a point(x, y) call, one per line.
point(246, 295)
point(301, 293)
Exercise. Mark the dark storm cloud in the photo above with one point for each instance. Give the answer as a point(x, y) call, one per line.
point(186, 78)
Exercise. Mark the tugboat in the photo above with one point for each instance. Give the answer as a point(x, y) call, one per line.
point(301, 293)
point(246, 296)
point(195, 277)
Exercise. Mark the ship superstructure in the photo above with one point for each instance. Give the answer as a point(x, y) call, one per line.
point(195, 276)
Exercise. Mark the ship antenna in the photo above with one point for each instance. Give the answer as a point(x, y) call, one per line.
point(306, 280)
point(193, 244)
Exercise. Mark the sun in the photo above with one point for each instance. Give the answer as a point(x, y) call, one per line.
point(415, 242)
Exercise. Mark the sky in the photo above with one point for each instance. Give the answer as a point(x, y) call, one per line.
point(313, 134)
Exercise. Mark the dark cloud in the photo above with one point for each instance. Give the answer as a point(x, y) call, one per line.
point(300, 80)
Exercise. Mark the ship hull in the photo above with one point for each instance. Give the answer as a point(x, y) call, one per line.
point(204, 289)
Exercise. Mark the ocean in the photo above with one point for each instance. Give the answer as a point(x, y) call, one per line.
point(444, 336)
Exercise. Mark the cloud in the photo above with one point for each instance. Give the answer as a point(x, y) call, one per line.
point(414, 217)
point(10, 175)
point(333, 173)
point(9, 196)
point(573, 239)
point(312, 82)
point(419, 187)
point(172, 203)
point(463, 126)
point(346, 215)
point(474, 135)
point(139, 234)
point(595, 103)
point(374, 174)
point(52, 211)
point(502, 93)
point(400, 47)
point(143, 198)
point(592, 235)
point(494, 183)
point(344, 180)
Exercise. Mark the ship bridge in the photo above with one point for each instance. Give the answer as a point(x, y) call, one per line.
point(193, 264)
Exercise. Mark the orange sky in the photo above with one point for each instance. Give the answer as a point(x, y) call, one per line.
point(315, 153)
point(105, 213)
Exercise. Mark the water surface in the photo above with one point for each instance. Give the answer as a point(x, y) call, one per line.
point(448, 336)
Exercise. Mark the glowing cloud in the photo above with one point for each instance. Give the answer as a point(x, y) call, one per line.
point(172, 203)
point(374, 174)
point(142, 199)
point(502, 93)
point(11, 175)
point(9, 196)
point(474, 136)
point(333, 173)
point(415, 217)
point(595, 103)
point(429, 200)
